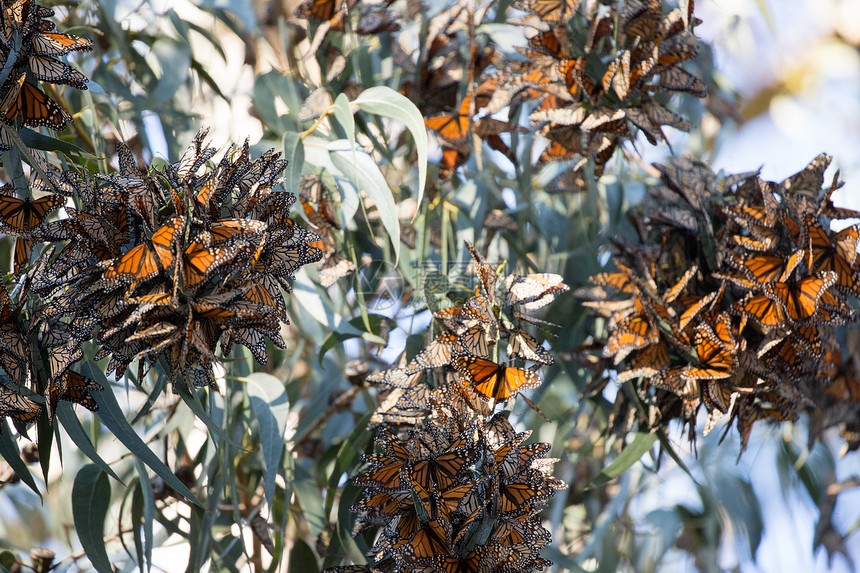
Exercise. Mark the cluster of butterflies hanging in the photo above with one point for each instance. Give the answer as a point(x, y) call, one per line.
point(732, 298)
point(459, 469)
point(592, 75)
point(455, 495)
point(27, 35)
point(589, 96)
point(154, 265)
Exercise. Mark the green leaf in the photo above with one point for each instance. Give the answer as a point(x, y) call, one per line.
point(667, 447)
point(268, 397)
point(384, 101)
point(640, 444)
point(337, 338)
point(74, 429)
point(112, 417)
point(193, 402)
point(9, 452)
point(343, 115)
point(310, 500)
point(361, 169)
point(148, 511)
point(174, 59)
point(90, 501)
point(294, 153)
point(137, 517)
point(7, 560)
point(302, 558)
point(43, 142)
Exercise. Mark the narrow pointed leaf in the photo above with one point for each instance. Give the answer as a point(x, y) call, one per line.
point(74, 429)
point(384, 101)
point(361, 169)
point(268, 397)
point(637, 447)
point(112, 417)
point(90, 501)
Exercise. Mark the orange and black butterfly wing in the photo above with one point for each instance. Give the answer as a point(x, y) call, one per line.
point(35, 109)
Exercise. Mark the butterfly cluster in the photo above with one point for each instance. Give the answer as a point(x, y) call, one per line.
point(595, 89)
point(162, 264)
point(456, 496)
point(30, 49)
point(460, 488)
point(732, 297)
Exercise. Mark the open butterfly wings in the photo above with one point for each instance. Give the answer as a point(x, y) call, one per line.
point(495, 381)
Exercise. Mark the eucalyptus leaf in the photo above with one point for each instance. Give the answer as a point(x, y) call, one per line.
point(74, 429)
point(384, 101)
point(294, 153)
point(361, 169)
point(90, 502)
point(112, 417)
point(268, 397)
point(636, 448)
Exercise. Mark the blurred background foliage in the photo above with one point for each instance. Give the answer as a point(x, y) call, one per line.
point(159, 72)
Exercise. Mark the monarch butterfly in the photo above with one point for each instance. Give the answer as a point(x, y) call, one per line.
point(323, 214)
point(844, 385)
point(767, 268)
point(385, 468)
point(14, 350)
point(680, 80)
point(482, 558)
point(837, 255)
point(192, 158)
point(440, 470)
point(53, 44)
point(695, 305)
point(198, 263)
point(320, 10)
point(554, 42)
point(62, 357)
point(263, 290)
point(495, 381)
point(333, 268)
point(647, 363)
point(35, 109)
point(402, 377)
point(620, 280)
point(452, 127)
point(630, 333)
point(533, 291)
point(436, 354)
point(48, 69)
point(17, 406)
point(800, 299)
point(473, 341)
point(717, 360)
point(432, 538)
point(21, 217)
point(486, 272)
point(526, 347)
point(520, 496)
point(519, 529)
point(685, 388)
point(550, 11)
point(147, 260)
point(75, 388)
point(478, 307)
point(764, 310)
point(520, 459)
point(809, 180)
